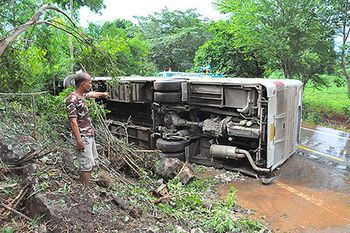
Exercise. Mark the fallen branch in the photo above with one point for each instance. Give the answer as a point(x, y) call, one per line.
point(14, 203)
point(35, 155)
point(148, 151)
point(23, 93)
point(8, 186)
point(182, 168)
point(16, 212)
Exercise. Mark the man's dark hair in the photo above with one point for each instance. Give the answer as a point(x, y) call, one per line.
point(80, 78)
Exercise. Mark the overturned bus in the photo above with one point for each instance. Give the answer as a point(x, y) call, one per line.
point(247, 125)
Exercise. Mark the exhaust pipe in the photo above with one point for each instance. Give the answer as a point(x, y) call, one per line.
point(231, 152)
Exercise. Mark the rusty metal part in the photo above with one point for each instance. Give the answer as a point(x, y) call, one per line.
point(225, 152)
point(231, 152)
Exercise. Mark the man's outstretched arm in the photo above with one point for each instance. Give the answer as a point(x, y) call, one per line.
point(94, 94)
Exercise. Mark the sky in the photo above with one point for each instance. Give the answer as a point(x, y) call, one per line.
point(129, 8)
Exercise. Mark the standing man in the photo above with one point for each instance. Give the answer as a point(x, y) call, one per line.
point(81, 125)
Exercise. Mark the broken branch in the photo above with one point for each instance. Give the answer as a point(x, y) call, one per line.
point(16, 212)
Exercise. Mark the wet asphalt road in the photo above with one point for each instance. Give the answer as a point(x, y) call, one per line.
point(326, 145)
point(312, 190)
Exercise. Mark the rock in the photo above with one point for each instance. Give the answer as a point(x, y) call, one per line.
point(104, 179)
point(152, 229)
point(208, 203)
point(134, 213)
point(196, 230)
point(39, 205)
point(10, 153)
point(68, 163)
point(159, 182)
point(179, 229)
point(186, 174)
point(28, 173)
point(30, 169)
point(122, 204)
point(42, 229)
point(170, 167)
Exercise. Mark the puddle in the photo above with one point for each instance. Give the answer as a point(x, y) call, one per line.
point(328, 145)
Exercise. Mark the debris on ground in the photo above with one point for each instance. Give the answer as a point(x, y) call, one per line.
point(40, 189)
point(170, 168)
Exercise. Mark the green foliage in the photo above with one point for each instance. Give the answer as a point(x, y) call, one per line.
point(8, 229)
point(290, 35)
point(174, 36)
point(94, 5)
point(189, 202)
point(65, 189)
point(221, 220)
point(250, 226)
point(321, 103)
point(121, 50)
point(221, 54)
point(97, 208)
point(53, 107)
point(39, 57)
point(37, 220)
point(340, 10)
point(9, 187)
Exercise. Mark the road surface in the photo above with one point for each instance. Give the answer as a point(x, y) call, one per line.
point(312, 190)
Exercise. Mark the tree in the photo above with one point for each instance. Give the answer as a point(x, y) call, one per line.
point(37, 54)
point(94, 5)
point(342, 25)
point(292, 35)
point(221, 54)
point(174, 36)
point(120, 49)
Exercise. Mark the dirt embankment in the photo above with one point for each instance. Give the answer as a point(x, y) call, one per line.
point(40, 191)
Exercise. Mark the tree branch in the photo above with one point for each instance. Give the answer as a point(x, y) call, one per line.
point(34, 20)
point(63, 29)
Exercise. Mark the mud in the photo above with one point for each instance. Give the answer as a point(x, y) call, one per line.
point(311, 192)
point(292, 208)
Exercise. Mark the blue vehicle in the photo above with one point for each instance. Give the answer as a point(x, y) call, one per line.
point(168, 74)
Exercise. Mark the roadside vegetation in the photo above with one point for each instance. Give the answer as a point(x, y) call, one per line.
point(258, 38)
point(38, 178)
point(327, 105)
point(37, 56)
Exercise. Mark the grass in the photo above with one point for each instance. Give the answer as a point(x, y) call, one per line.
point(189, 205)
point(190, 202)
point(333, 98)
point(327, 105)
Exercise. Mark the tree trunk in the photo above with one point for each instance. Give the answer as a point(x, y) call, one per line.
point(346, 74)
point(345, 34)
point(71, 38)
point(348, 86)
point(286, 68)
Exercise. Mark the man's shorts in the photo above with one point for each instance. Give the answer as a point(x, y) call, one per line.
point(88, 157)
